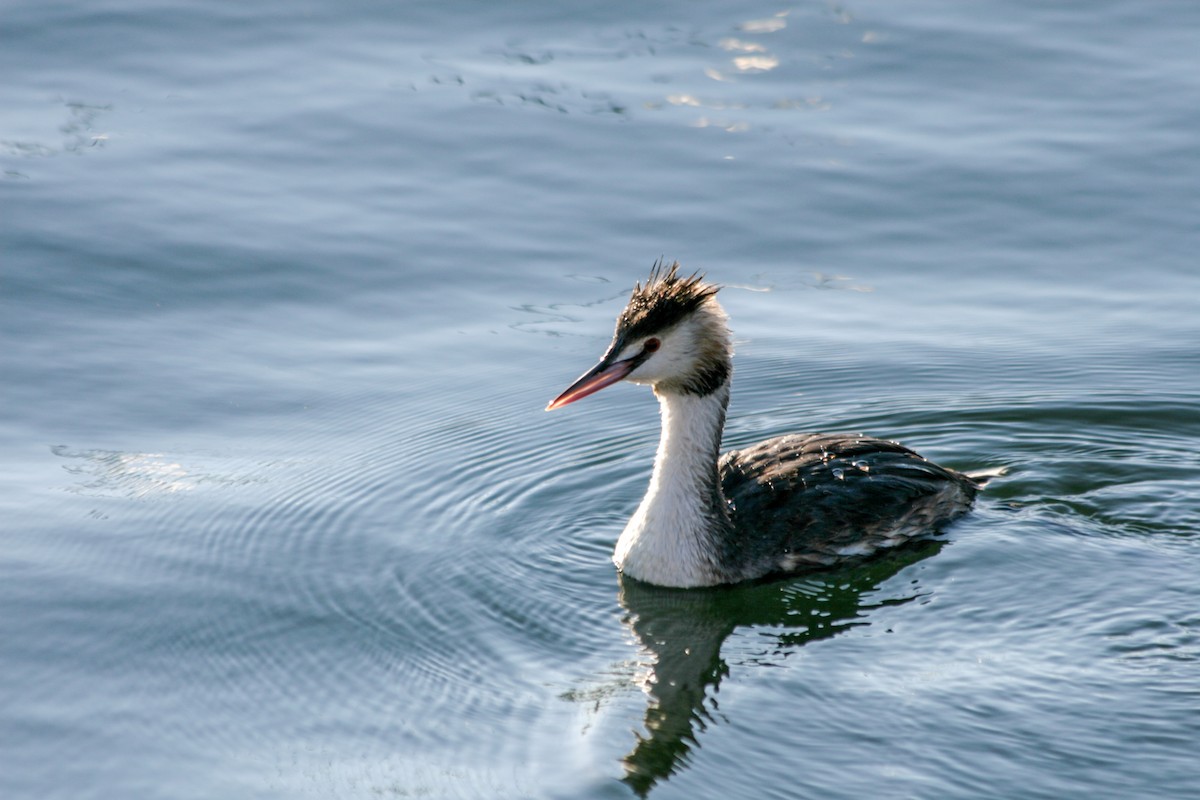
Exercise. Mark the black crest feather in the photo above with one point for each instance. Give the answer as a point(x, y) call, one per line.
point(665, 300)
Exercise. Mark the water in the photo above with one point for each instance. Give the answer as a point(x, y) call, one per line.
point(285, 287)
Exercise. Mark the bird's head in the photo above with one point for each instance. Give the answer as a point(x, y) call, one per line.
point(672, 335)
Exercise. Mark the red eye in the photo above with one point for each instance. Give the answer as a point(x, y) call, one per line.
point(651, 345)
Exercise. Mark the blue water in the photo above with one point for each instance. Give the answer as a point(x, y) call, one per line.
point(284, 288)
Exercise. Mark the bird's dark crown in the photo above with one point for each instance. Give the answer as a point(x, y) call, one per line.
point(665, 300)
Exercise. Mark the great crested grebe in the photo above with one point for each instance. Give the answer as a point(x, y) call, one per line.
point(796, 502)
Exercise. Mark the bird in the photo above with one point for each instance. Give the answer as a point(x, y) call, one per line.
point(790, 504)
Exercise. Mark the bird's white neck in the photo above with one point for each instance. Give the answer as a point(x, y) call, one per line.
point(673, 537)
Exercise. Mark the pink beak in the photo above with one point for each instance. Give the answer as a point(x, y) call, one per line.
point(593, 381)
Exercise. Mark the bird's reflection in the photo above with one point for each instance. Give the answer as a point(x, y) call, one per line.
point(683, 631)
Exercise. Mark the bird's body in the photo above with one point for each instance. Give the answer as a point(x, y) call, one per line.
point(787, 504)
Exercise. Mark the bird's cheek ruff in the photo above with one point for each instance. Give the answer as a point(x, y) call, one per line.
point(707, 380)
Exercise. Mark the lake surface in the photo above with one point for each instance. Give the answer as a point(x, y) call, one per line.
point(284, 289)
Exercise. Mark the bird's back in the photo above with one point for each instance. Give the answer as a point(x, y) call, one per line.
point(813, 500)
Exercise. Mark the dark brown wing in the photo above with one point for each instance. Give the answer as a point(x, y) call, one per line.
point(811, 500)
